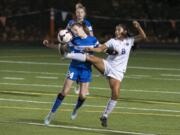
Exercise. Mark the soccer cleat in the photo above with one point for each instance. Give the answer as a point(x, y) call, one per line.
point(49, 118)
point(74, 115)
point(77, 90)
point(103, 120)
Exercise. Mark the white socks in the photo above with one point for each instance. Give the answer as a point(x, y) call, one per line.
point(109, 107)
point(76, 56)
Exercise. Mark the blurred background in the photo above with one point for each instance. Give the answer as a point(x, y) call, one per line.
point(29, 21)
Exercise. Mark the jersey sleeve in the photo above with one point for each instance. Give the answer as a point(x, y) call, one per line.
point(90, 28)
point(70, 44)
point(69, 24)
point(96, 43)
point(131, 41)
point(88, 25)
point(109, 43)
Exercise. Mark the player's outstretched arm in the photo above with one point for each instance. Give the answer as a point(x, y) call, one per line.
point(99, 49)
point(50, 45)
point(142, 34)
point(62, 48)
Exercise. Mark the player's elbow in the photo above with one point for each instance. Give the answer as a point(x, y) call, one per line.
point(144, 37)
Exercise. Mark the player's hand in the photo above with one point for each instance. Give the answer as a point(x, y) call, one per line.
point(45, 42)
point(88, 49)
point(136, 24)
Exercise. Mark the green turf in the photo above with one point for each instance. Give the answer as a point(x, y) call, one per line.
point(149, 100)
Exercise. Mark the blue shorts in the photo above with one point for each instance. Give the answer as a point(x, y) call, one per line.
point(79, 74)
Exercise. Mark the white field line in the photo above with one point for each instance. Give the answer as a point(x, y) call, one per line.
point(43, 73)
point(98, 75)
point(93, 106)
point(133, 75)
point(28, 56)
point(160, 53)
point(171, 75)
point(152, 91)
point(13, 78)
point(48, 73)
point(98, 88)
point(47, 77)
point(66, 64)
point(92, 111)
point(154, 68)
point(32, 85)
point(165, 79)
point(33, 63)
point(29, 72)
point(79, 128)
point(150, 78)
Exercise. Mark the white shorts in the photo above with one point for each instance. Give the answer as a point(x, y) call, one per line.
point(111, 72)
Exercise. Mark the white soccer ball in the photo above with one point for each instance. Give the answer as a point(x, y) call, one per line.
point(64, 36)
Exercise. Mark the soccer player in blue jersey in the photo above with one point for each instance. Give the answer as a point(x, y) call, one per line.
point(80, 71)
point(80, 14)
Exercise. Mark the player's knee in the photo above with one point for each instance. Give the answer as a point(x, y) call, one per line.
point(82, 95)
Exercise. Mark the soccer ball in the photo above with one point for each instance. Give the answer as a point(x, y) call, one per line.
point(64, 36)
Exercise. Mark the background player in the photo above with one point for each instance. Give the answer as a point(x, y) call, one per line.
point(80, 17)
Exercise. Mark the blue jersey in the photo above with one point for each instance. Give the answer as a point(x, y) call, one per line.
point(77, 45)
point(86, 22)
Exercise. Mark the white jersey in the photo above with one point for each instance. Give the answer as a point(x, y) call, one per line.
point(119, 62)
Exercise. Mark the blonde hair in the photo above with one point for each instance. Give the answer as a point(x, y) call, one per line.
point(80, 6)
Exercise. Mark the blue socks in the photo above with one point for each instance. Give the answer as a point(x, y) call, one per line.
point(79, 103)
point(57, 102)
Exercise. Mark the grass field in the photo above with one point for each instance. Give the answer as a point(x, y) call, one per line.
point(149, 102)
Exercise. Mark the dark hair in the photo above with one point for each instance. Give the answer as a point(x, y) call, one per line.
point(86, 30)
point(126, 30)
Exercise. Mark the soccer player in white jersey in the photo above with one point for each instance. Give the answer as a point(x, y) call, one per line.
point(115, 65)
